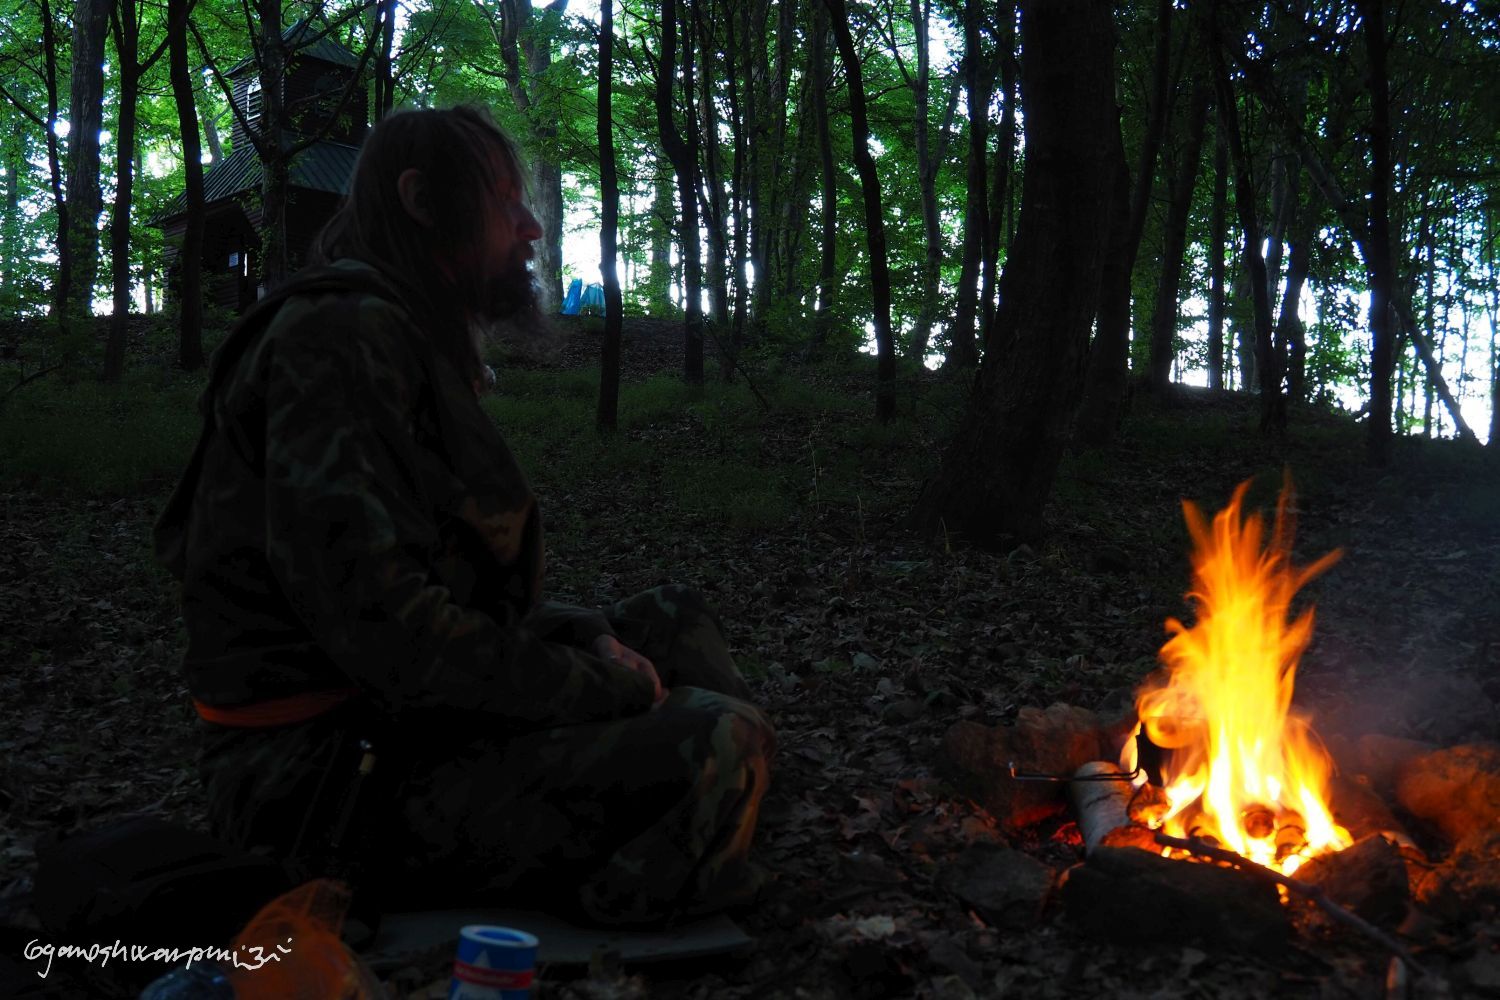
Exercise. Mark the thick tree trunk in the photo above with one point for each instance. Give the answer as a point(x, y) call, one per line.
point(1216, 261)
point(609, 209)
point(275, 263)
point(684, 156)
point(190, 259)
point(997, 473)
point(962, 334)
point(1174, 243)
point(86, 118)
point(869, 182)
point(1378, 250)
point(63, 231)
point(828, 259)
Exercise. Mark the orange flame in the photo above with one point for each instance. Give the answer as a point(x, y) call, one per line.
point(1244, 769)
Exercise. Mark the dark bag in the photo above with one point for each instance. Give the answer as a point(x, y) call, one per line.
point(143, 880)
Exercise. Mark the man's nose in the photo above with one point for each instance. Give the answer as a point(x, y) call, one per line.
point(528, 228)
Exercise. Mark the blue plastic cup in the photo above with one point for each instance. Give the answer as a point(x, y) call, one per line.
point(493, 963)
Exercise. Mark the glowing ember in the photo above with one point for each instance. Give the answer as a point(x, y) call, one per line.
point(1243, 769)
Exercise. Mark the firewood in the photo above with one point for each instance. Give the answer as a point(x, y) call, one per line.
point(1130, 896)
point(1303, 889)
point(1103, 808)
point(1369, 877)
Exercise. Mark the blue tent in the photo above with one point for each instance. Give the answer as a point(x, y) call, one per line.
point(571, 301)
point(593, 300)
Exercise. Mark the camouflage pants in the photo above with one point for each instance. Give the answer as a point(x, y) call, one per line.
point(632, 820)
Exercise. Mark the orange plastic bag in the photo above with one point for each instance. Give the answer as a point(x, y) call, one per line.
point(291, 950)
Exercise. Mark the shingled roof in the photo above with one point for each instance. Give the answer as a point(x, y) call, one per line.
point(323, 166)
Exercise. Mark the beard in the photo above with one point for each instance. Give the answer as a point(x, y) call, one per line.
point(513, 313)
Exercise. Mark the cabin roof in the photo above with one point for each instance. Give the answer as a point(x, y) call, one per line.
point(323, 166)
point(307, 41)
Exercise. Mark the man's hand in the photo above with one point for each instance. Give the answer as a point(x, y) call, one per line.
point(607, 647)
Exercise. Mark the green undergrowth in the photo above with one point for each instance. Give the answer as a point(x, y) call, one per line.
point(712, 452)
point(85, 437)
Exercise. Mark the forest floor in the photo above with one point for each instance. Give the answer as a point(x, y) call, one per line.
point(864, 645)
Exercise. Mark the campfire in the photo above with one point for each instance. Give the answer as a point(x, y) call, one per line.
point(1241, 769)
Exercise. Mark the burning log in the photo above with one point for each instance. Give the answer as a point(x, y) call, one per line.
point(1101, 796)
point(1130, 896)
point(1369, 878)
point(1304, 889)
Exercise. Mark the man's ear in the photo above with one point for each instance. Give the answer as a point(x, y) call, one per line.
point(411, 187)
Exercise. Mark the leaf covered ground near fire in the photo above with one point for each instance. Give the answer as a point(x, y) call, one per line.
point(864, 643)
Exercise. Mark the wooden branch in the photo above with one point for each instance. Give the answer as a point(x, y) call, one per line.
point(1304, 889)
point(30, 378)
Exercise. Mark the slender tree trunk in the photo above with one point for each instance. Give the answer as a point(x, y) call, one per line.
point(828, 259)
point(1272, 403)
point(126, 45)
point(12, 230)
point(962, 334)
point(717, 271)
point(548, 169)
point(275, 263)
point(1174, 242)
point(1291, 332)
point(869, 182)
point(1426, 238)
point(738, 185)
point(385, 83)
point(1378, 250)
point(1005, 155)
point(190, 259)
point(927, 170)
point(609, 182)
point(86, 118)
point(1216, 261)
point(684, 156)
point(663, 214)
point(1108, 367)
point(1104, 393)
point(753, 51)
point(63, 237)
point(996, 475)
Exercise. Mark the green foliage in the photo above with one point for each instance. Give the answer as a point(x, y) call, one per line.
point(99, 440)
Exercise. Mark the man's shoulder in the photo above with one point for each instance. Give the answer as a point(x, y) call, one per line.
point(347, 306)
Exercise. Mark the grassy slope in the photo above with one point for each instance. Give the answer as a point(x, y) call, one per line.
point(864, 643)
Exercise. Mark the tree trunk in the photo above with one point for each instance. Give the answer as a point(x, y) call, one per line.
point(1005, 154)
point(385, 83)
point(663, 215)
point(548, 170)
point(1272, 403)
point(86, 118)
point(1291, 332)
point(1378, 251)
point(12, 231)
point(869, 183)
point(63, 237)
point(275, 263)
point(609, 182)
point(996, 475)
point(927, 170)
point(962, 333)
point(1105, 392)
point(713, 179)
point(684, 157)
point(828, 260)
point(190, 259)
point(1174, 242)
point(127, 44)
point(1108, 372)
point(1216, 261)
point(757, 155)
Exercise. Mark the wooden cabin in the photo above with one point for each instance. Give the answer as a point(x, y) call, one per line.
point(318, 71)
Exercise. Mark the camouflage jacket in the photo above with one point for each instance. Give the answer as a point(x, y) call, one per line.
point(352, 518)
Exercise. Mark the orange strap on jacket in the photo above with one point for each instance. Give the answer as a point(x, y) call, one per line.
point(276, 712)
